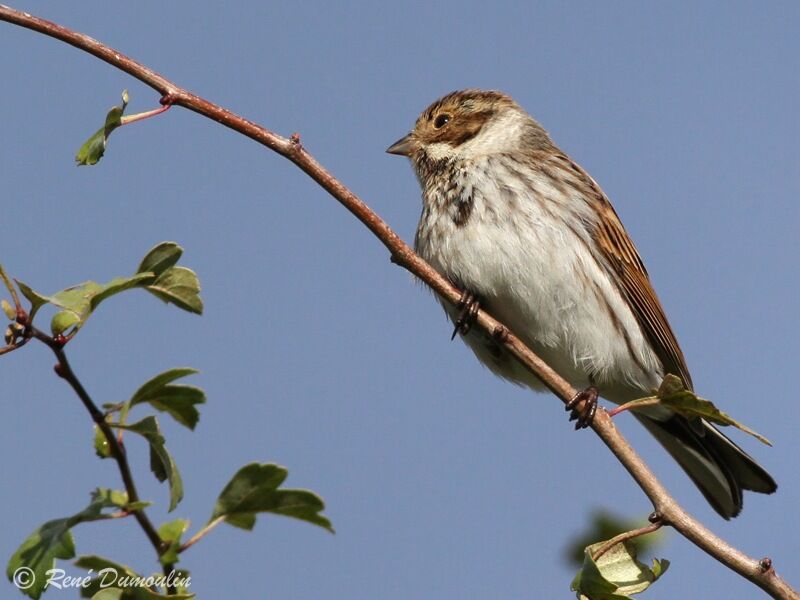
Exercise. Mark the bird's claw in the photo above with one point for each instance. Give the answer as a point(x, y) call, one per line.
point(585, 416)
point(469, 306)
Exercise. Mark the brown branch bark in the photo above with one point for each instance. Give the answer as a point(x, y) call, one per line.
point(671, 513)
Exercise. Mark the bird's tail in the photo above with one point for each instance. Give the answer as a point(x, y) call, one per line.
point(717, 466)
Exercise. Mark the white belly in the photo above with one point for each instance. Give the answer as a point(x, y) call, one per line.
point(538, 277)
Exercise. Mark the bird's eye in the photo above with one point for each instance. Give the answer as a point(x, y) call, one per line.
point(441, 121)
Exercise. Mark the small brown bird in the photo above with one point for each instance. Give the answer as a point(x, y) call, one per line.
point(527, 233)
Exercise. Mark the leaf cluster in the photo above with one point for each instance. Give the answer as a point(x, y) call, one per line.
point(255, 489)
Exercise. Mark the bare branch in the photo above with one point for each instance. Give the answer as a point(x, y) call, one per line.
point(291, 148)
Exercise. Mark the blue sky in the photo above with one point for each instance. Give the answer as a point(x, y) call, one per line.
point(318, 354)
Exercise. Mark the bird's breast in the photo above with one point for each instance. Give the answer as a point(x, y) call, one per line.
point(524, 250)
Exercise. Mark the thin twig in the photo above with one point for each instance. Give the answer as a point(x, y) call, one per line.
point(12, 347)
point(291, 148)
point(625, 536)
point(635, 404)
point(127, 120)
point(199, 535)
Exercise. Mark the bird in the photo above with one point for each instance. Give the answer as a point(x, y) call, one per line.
point(529, 236)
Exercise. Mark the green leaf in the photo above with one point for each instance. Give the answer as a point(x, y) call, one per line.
point(36, 299)
point(616, 574)
point(176, 285)
point(64, 320)
point(172, 532)
point(108, 594)
point(133, 585)
point(254, 489)
point(98, 563)
point(160, 258)
point(161, 463)
point(106, 498)
point(108, 573)
point(80, 301)
point(38, 554)
point(54, 540)
point(179, 286)
point(92, 149)
point(177, 400)
point(137, 593)
point(604, 525)
point(672, 393)
point(152, 386)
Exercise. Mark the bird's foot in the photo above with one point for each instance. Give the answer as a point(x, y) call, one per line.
point(468, 305)
point(585, 415)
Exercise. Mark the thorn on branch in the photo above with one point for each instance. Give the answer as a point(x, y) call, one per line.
point(765, 564)
point(500, 334)
point(296, 145)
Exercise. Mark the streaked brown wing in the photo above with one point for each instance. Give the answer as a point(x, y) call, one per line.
point(621, 256)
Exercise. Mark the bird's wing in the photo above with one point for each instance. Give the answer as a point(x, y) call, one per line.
point(620, 254)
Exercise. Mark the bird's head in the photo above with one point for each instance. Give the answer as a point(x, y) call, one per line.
point(471, 123)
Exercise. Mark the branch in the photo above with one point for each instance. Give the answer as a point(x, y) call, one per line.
point(671, 513)
point(64, 370)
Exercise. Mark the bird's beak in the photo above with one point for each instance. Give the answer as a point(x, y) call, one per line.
point(402, 147)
